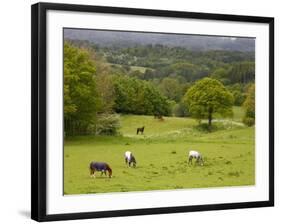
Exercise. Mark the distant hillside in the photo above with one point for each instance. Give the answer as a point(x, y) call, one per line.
point(191, 42)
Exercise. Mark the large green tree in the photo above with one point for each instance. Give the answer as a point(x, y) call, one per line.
point(207, 97)
point(136, 96)
point(81, 99)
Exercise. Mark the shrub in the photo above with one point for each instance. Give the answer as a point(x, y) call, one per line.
point(107, 124)
point(249, 106)
point(249, 121)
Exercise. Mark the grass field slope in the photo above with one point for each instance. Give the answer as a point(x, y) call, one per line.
point(161, 154)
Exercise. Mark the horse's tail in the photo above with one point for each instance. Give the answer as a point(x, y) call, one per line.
point(109, 170)
point(91, 168)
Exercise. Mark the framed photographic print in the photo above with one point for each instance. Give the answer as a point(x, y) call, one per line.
point(139, 111)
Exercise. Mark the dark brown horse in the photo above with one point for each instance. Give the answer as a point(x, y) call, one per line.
point(141, 130)
point(159, 117)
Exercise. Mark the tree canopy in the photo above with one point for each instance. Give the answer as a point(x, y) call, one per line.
point(152, 80)
point(138, 97)
point(206, 97)
point(81, 99)
point(171, 88)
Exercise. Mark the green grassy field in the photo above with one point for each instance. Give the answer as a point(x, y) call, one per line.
point(161, 154)
point(133, 68)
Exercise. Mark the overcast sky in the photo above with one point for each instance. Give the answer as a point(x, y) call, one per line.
point(189, 41)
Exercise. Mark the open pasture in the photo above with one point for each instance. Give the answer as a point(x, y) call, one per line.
point(161, 154)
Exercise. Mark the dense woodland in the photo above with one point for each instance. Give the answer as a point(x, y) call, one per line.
point(102, 82)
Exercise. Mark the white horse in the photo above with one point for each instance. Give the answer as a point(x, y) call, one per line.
point(196, 155)
point(129, 158)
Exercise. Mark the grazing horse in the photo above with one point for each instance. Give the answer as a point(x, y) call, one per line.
point(100, 166)
point(129, 158)
point(196, 155)
point(140, 130)
point(159, 117)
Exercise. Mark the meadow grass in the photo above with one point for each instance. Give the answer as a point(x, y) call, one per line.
point(133, 68)
point(238, 113)
point(161, 154)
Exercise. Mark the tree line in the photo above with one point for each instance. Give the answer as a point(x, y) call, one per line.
point(92, 95)
point(95, 91)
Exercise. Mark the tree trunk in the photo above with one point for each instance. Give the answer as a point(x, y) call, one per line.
point(210, 117)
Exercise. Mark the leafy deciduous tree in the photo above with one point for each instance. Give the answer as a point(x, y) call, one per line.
point(206, 97)
point(138, 97)
point(80, 96)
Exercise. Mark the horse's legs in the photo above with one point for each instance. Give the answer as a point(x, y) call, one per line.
point(93, 173)
point(198, 160)
point(190, 160)
point(201, 161)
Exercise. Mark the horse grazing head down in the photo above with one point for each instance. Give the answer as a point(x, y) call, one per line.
point(197, 156)
point(101, 167)
point(130, 159)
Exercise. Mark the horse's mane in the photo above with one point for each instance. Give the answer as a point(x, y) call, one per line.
point(91, 163)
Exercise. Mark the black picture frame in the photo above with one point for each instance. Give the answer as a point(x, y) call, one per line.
point(38, 110)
